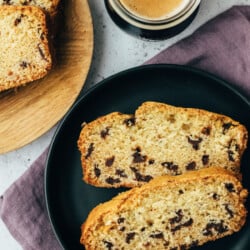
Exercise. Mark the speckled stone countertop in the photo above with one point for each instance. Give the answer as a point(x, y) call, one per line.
point(114, 51)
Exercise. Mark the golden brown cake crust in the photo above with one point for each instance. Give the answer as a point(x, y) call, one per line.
point(129, 150)
point(24, 46)
point(169, 212)
point(49, 6)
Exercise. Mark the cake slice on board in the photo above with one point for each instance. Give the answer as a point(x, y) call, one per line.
point(24, 46)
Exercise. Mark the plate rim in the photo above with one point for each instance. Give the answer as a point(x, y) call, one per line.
point(234, 89)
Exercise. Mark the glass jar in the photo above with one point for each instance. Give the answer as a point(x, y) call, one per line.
point(152, 27)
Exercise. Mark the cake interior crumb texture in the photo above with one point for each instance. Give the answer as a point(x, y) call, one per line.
point(130, 150)
point(49, 6)
point(173, 213)
point(24, 46)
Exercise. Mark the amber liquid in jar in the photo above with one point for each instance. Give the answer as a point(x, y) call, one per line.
point(152, 19)
point(154, 9)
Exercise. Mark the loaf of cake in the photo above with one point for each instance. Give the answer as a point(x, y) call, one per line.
point(49, 6)
point(24, 46)
point(159, 139)
point(169, 212)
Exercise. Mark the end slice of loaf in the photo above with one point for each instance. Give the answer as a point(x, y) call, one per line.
point(169, 212)
point(24, 46)
point(49, 6)
point(129, 150)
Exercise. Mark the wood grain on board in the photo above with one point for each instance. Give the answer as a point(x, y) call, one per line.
point(30, 111)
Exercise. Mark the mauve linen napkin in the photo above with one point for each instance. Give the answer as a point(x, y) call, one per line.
point(221, 46)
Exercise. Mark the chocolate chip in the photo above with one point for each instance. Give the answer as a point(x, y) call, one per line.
point(145, 178)
point(129, 237)
point(181, 191)
point(213, 227)
point(23, 64)
point(122, 229)
point(237, 147)
point(109, 161)
point(18, 20)
point(138, 157)
point(188, 223)
point(140, 177)
point(191, 166)
point(230, 187)
point(27, 2)
point(112, 181)
point(194, 243)
point(120, 220)
point(90, 150)
point(7, 2)
point(185, 224)
point(108, 244)
point(143, 229)
point(105, 132)
point(129, 122)
point(226, 127)
point(121, 173)
point(151, 161)
point(174, 248)
point(97, 171)
point(215, 196)
point(206, 130)
point(170, 166)
point(183, 247)
point(230, 155)
point(195, 143)
point(42, 36)
point(205, 159)
point(157, 235)
point(166, 243)
point(232, 146)
point(229, 211)
point(41, 52)
point(177, 218)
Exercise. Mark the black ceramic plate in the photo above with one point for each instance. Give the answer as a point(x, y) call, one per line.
point(69, 199)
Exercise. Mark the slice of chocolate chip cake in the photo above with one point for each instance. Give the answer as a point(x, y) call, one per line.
point(24, 46)
point(169, 212)
point(160, 139)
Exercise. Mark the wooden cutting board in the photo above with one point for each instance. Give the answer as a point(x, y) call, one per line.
point(30, 111)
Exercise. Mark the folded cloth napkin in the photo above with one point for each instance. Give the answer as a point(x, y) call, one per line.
point(220, 46)
point(23, 209)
